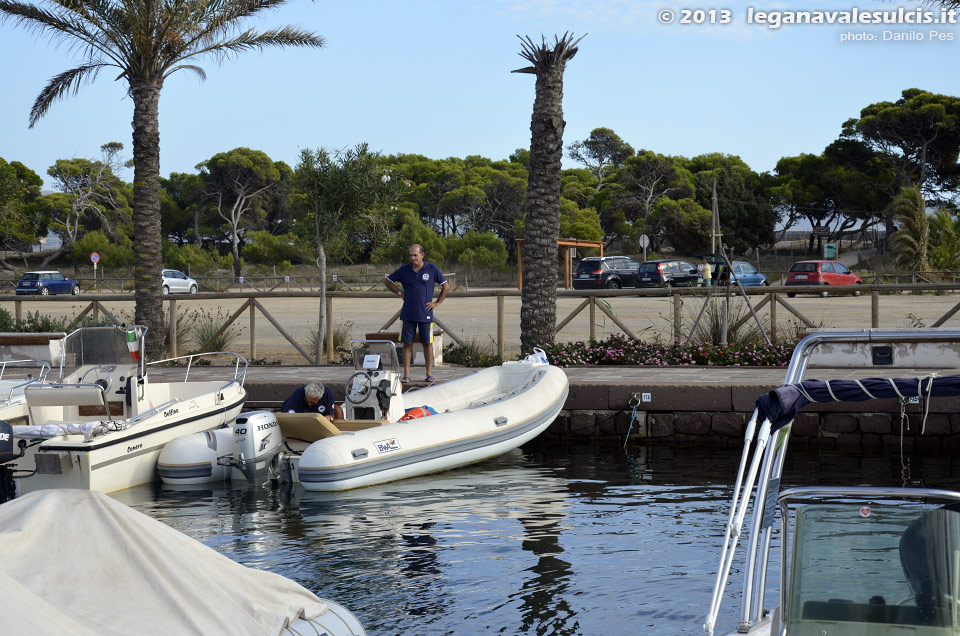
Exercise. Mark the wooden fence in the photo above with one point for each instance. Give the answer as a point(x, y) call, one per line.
point(765, 302)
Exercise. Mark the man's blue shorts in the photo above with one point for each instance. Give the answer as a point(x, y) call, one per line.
point(409, 329)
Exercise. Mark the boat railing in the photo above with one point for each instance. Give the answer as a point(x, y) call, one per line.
point(760, 471)
point(240, 365)
point(17, 388)
point(85, 347)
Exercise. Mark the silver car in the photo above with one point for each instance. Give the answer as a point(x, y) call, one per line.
point(176, 282)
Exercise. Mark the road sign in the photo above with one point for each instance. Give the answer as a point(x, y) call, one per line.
point(644, 240)
point(94, 258)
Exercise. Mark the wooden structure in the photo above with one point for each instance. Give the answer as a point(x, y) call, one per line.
point(567, 245)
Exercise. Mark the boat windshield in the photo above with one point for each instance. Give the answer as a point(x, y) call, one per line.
point(105, 346)
point(874, 569)
point(363, 352)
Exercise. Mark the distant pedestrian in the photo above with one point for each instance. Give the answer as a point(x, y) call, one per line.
point(706, 272)
point(418, 279)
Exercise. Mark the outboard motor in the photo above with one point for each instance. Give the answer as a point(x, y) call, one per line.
point(8, 488)
point(374, 394)
point(257, 443)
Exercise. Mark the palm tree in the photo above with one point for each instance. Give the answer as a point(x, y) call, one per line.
point(147, 40)
point(911, 242)
point(944, 248)
point(538, 309)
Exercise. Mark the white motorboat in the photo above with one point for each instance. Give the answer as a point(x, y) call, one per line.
point(388, 434)
point(101, 424)
point(854, 560)
point(81, 563)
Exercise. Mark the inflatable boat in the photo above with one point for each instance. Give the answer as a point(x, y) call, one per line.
point(388, 435)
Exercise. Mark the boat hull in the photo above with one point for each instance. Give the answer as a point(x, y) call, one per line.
point(127, 458)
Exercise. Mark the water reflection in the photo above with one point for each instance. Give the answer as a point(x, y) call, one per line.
point(582, 539)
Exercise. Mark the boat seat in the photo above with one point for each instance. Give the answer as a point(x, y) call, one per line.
point(58, 395)
point(307, 427)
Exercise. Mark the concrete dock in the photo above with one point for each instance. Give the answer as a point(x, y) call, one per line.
point(687, 405)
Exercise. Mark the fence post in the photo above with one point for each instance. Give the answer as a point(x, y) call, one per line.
point(676, 316)
point(500, 325)
point(773, 318)
point(18, 310)
point(253, 331)
point(329, 330)
point(172, 335)
point(593, 318)
point(874, 309)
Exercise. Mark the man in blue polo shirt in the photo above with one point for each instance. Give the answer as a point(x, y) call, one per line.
point(418, 280)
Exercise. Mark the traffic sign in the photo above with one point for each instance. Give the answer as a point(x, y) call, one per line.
point(94, 258)
point(644, 241)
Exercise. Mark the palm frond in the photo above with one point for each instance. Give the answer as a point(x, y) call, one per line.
point(249, 40)
point(545, 56)
point(60, 85)
point(188, 67)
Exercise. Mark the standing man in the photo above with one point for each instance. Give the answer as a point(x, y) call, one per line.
point(418, 279)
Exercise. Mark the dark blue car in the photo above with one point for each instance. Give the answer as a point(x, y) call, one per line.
point(46, 283)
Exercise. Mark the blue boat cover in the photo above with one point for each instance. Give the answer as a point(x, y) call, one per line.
point(781, 405)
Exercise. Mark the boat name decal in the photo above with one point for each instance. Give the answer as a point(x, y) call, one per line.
point(387, 445)
point(268, 425)
point(130, 449)
point(171, 412)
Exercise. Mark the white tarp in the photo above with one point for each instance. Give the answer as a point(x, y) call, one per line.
point(80, 563)
point(33, 431)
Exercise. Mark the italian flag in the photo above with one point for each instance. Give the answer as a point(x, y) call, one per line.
point(133, 345)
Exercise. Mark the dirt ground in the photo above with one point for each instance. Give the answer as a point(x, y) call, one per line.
point(474, 319)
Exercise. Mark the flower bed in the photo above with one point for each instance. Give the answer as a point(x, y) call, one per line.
point(620, 350)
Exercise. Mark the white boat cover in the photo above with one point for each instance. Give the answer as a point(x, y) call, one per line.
point(31, 431)
point(78, 562)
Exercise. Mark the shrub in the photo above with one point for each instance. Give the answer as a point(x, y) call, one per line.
point(261, 247)
point(191, 257)
point(111, 253)
point(341, 339)
point(206, 325)
point(6, 320)
point(472, 354)
point(621, 350)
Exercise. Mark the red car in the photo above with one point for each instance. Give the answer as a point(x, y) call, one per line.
point(821, 273)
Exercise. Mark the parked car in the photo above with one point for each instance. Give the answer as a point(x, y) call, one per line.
point(611, 272)
point(45, 283)
point(671, 272)
point(745, 274)
point(176, 282)
point(821, 273)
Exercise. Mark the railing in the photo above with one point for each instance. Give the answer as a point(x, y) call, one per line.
point(620, 307)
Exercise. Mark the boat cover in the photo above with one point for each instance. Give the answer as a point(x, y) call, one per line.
point(78, 562)
point(781, 405)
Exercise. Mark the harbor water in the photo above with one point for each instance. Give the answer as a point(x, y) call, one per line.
point(546, 540)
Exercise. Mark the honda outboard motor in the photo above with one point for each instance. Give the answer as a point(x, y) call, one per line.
point(8, 488)
point(257, 443)
point(374, 394)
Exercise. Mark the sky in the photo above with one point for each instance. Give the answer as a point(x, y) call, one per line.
point(432, 77)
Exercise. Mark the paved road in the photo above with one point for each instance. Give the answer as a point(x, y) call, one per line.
point(474, 319)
